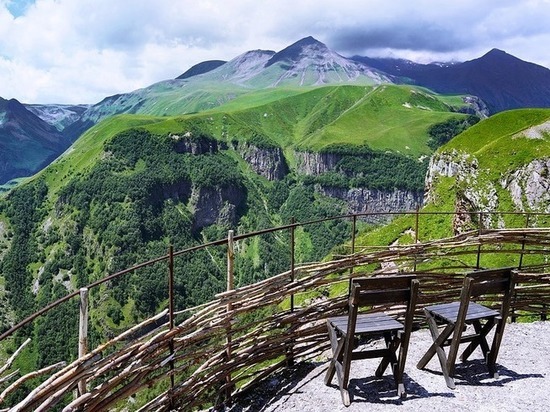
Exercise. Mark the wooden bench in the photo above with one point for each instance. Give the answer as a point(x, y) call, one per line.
point(493, 285)
point(346, 331)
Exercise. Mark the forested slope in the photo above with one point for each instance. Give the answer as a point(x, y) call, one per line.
point(133, 185)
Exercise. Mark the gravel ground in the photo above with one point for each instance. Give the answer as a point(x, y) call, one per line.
point(523, 384)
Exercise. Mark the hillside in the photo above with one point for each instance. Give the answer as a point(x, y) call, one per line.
point(500, 164)
point(134, 184)
point(492, 83)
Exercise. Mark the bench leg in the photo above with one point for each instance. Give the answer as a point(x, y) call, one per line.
point(340, 363)
point(437, 347)
point(495, 346)
point(392, 343)
point(337, 353)
point(482, 331)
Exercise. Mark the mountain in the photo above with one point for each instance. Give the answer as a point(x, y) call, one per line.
point(261, 76)
point(58, 115)
point(306, 63)
point(501, 164)
point(200, 68)
point(501, 80)
point(27, 143)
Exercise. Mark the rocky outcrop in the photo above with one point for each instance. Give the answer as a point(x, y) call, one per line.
point(474, 191)
point(363, 200)
point(187, 143)
point(314, 164)
point(450, 164)
point(529, 186)
point(475, 106)
point(219, 205)
point(268, 162)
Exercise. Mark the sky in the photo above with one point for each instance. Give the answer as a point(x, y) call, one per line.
point(81, 51)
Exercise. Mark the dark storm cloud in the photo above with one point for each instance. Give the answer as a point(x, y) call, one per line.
point(427, 37)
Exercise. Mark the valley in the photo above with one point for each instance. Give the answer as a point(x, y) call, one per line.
point(260, 141)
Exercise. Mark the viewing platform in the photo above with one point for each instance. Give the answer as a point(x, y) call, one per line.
point(271, 338)
point(524, 369)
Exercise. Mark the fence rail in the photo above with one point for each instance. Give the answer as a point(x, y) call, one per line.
point(243, 334)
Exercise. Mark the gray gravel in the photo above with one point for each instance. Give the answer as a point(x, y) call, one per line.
point(523, 384)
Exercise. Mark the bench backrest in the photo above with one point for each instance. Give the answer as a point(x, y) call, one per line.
point(381, 290)
point(491, 281)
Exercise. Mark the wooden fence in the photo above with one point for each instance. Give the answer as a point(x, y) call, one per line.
point(226, 346)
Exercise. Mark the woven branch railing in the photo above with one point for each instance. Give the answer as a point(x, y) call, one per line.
point(228, 345)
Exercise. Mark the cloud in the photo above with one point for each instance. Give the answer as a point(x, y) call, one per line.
point(82, 51)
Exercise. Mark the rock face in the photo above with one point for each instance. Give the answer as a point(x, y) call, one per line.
point(474, 192)
point(314, 164)
point(452, 164)
point(267, 162)
point(216, 205)
point(529, 186)
point(363, 200)
point(180, 190)
point(196, 145)
point(358, 199)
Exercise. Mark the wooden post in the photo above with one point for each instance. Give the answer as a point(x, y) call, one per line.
point(523, 243)
point(289, 349)
point(292, 258)
point(416, 232)
point(83, 334)
point(171, 312)
point(353, 229)
point(230, 286)
point(480, 231)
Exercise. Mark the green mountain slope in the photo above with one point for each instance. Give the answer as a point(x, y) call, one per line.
point(502, 164)
point(507, 140)
point(133, 184)
point(385, 118)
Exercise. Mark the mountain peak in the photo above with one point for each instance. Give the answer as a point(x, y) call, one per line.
point(200, 68)
point(296, 51)
point(496, 52)
point(306, 41)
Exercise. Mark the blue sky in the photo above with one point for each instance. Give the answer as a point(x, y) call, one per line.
point(80, 51)
point(18, 7)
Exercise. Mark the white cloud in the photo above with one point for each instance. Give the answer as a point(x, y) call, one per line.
point(82, 51)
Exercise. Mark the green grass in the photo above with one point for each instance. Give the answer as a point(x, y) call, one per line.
point(496, 144)
point(386, 117)
point(86, 151)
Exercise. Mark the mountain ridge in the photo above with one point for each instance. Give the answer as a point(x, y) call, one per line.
point(501, 80)
point(307, 63)
point(27, 143)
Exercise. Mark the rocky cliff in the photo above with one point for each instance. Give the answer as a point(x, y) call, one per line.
point(188, 143)
point(219, 205)
point(268, 162)
point(529, 186)
point(473, 191)
point(360, 198)
point(363, 200)
point(314, 164)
